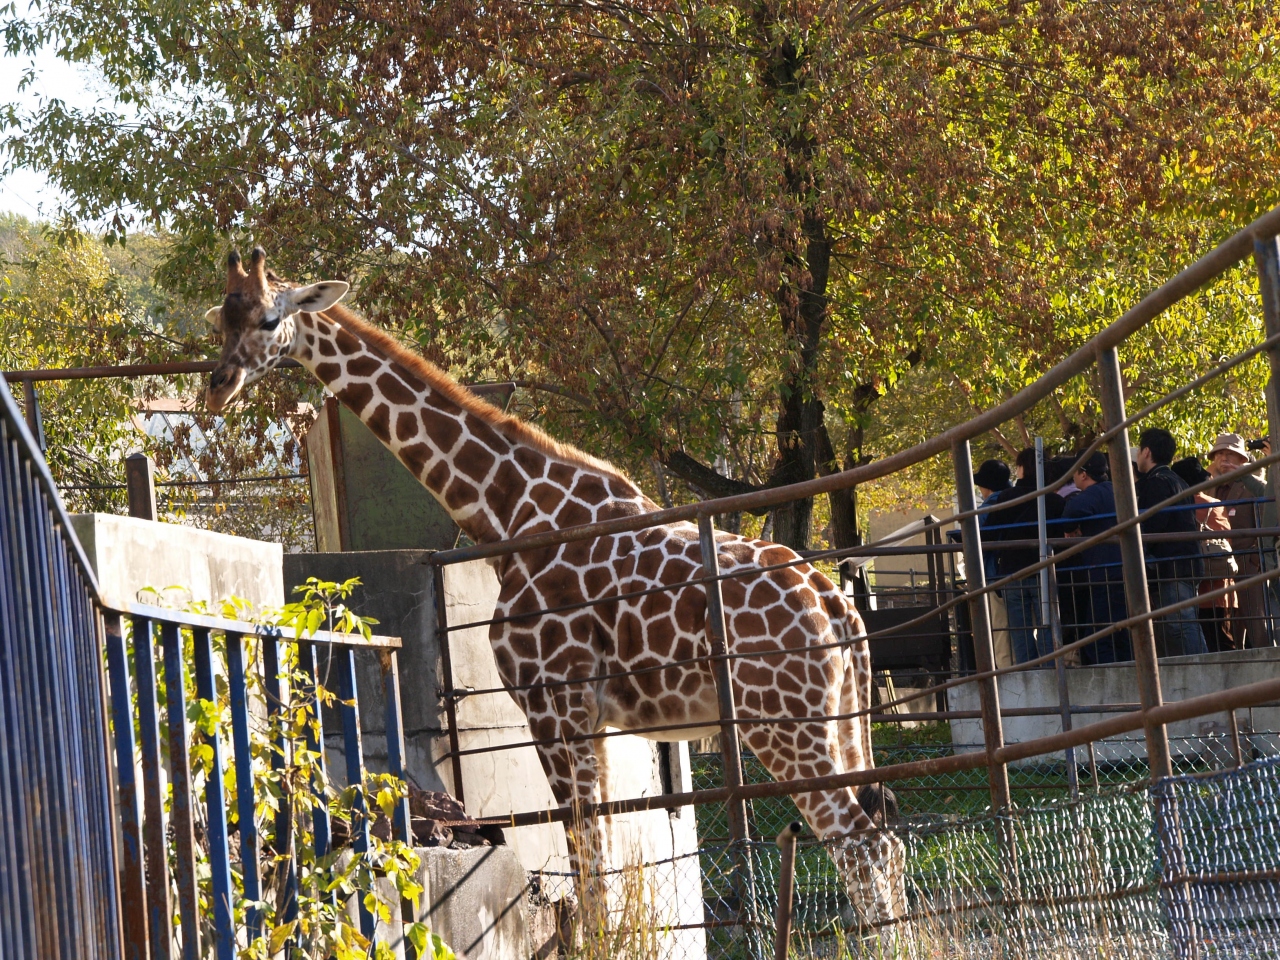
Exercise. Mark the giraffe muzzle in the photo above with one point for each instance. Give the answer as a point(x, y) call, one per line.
point(224, 385)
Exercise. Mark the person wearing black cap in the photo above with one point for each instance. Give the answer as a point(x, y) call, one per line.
point(1088, 513)
point(992, 478)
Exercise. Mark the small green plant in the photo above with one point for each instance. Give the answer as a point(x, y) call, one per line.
point(290, 776)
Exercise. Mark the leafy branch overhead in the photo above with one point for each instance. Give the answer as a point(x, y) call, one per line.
point(748, 241)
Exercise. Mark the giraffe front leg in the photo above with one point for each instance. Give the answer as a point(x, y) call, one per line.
point(574, 771)
point(872, 862)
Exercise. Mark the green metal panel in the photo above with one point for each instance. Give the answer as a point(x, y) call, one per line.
point(387, 508)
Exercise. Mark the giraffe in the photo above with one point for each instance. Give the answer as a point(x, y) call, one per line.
point(499, 477)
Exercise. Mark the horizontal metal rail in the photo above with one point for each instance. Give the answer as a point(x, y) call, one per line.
point(1079, 545)
point(203, 621)
point(1220, 701)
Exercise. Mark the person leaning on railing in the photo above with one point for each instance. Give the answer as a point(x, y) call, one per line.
point(1173, 568)
point(1028, 635)
point(1229, 453)
point(1220, 567)
point(1088, 513)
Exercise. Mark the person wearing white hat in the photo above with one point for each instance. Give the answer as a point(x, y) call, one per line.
point(1229, 453)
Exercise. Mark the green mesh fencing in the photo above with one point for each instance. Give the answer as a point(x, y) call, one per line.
point(1187, 868)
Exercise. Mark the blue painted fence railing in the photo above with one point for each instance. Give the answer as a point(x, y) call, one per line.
point(87, 826)
point(58, 882)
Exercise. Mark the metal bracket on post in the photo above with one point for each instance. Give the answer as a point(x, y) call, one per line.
point(1133, 563)
point(140, 479)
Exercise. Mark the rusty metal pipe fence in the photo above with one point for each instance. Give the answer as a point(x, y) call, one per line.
point(1151, 715)
point(79, 852)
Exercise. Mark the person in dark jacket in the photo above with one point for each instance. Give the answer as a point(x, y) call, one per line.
point(1029, 635)
point(1089, 512)
point(1173, 567)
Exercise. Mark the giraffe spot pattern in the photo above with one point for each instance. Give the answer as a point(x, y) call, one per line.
point(497, 486)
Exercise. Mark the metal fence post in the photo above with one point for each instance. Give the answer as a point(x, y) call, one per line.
point(716, 636)
point(31, 404)
point(786, 888)
point(342, 660)
point(980, 617)
point(1133, 562)
point(132, 881)
point(140, 481)
point(181, 814)
point(446, 678)
point(1266, 255)
point(159, 904)
point(283, 847)
point(246, 802)
point(1051, 617)
point(224, 938)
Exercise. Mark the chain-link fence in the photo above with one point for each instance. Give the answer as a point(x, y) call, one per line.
point(1181, 869)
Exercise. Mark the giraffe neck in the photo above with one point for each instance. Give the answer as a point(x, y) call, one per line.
point(495, 476)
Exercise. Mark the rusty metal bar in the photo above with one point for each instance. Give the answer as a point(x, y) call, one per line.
point(159, 906)
point(446, 677)
point(1134, 566)
point(1266, 256)
point(181, 812)
point(717, 640)
point(133, 895)
point(947, 685)
point(224, 936)
point(1233, 698)
point(1224, 256)
point(140, 480)
point(246, 802)
point(1233, 725)
point(980, 617)
point(786, 889)
point(31, 410)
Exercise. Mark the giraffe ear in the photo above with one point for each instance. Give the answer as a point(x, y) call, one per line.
point(318, 296)
point(214, 316)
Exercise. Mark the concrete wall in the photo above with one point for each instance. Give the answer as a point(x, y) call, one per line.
point(128, 555)
point(397, 590)
point(1180, 679)
point(476, 900)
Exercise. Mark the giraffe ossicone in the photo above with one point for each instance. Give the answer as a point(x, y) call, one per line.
point(499, 477)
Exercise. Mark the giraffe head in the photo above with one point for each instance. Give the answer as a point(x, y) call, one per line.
point(257, 320)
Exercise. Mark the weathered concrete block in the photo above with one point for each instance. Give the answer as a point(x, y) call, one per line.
point(474, 899)
point(1180, 678)
point(128, 554)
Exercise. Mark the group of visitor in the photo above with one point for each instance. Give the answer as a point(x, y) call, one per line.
point(1183, 561)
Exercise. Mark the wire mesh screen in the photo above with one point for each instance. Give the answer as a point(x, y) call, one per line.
point(1219, 844)
point(1182, 869)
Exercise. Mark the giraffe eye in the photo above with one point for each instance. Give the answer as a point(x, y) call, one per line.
point(271, 322)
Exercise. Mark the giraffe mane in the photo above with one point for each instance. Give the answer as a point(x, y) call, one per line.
point(511, 426)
